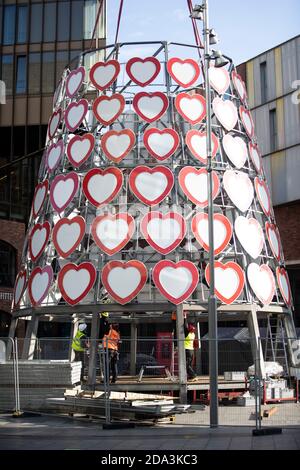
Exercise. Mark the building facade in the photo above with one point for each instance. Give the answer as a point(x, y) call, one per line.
point(273, 83)
point(37, 40)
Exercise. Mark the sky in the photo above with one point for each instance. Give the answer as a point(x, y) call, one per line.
point(246, 28)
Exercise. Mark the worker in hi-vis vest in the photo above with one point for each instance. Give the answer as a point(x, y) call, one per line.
point(190, 336)
point(111, 345)
point(79, 344)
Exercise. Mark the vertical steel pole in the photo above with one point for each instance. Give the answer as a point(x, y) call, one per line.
point(212, 301)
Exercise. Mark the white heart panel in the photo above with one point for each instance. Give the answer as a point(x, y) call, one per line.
point(250, 235)
point(239, 188)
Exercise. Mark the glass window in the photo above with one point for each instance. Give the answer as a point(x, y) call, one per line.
point(89, 17)
point(263, 82)
point(34, 77)
point(77, 21)
point(50, 22)
point(63, 21)
point(48, 72)
point(36, 22)
point(62, 58)
point(75, 54)
point(22, 24)
point(273, 129)
point(7, 73)
point(21, 74)
point(7, 264)
point(9, 24)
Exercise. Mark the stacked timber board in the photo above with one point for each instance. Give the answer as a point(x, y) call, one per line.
point(39, 380)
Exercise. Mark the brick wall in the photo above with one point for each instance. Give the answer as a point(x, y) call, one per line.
point(288, 221)
point(14, 234)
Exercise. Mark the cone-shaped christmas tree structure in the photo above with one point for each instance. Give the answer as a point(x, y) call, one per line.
point(120, 209)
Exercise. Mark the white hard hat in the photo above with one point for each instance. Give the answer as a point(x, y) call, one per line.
point(82, 326)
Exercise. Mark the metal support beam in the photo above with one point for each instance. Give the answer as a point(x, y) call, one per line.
point(30, 338)
point(11, 334)
point(93, 350)
point(133, 347)
point(256, 347)
point(181, 355)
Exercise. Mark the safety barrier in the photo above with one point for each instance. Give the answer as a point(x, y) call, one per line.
point(249, 393)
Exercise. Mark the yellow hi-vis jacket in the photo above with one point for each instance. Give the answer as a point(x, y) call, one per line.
point(189, 341)
point(76, 343)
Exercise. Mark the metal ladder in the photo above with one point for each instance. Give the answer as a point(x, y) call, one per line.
point(275, 347)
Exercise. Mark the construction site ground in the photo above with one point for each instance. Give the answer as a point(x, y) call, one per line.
point(46, 432)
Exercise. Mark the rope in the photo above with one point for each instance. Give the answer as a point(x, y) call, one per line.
point(96, 22)
point(119, 20)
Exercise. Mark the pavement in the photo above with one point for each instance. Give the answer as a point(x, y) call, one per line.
point(46, 432)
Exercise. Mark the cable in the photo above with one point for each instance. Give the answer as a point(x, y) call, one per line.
point(18, 160)
point(119, 20)
point(96, 22)
point(195, 27)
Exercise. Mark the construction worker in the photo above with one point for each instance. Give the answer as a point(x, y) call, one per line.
point(104, 324)
point(190, 335)
point(111, 345)
point(79, 344)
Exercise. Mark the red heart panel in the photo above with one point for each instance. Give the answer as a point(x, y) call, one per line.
point(38, 240)
point(123, 281)
point(247, 121)
point(164, 232)
point(75, 113)
point(116, 145)
point(80, 148)
point(262, 282)
point(54, 155)
point(225, 112)
point(102, 186)
point(143, 71)
point(39, 283)
point(150, 106)
point(67, 235)
point(229, 281)
point(74, 81)
point(193, 183)
point(75, 282)
point(161, 144)
point(256, 157)
point(196, 142)
point(175, 281)
point(191, 107)
point(274, 239)
point(107, 109)
point(151, 185)
point(263, 196)
point(20, 286)
point(112, 232)
point(185, 72)
point(239, 86)
point(40, 193)
point(54, 123)
point(103, 74)
point(63, 189)
point(222, 231)
point(219, 79)
point(284, 285)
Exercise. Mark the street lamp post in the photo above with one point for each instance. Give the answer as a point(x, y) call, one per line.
point(212, 301)
point(200, 12)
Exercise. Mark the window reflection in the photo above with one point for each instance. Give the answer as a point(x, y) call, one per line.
point(9, 24)
point(22, 24)
point(21, 74)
